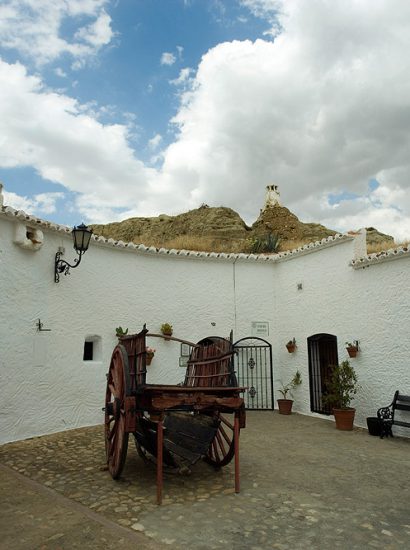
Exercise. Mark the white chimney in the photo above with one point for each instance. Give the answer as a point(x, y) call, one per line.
point(272, 196)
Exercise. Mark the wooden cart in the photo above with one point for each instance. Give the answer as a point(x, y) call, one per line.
point(201, 418)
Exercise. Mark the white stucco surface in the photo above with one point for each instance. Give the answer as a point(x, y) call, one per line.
point(47, 387)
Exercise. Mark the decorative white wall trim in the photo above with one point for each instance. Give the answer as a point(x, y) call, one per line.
point(379, 257)
point(27, 237)
point(102, 241)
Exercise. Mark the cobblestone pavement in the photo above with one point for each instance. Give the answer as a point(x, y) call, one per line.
point(304, 485)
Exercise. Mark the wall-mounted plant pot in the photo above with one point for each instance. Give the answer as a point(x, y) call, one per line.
point(148, 360)
point(167, 335)
point(352, 351)
point(291, 347)
point(285, 406)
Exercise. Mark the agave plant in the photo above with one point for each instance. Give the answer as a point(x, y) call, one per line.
point(268, 243)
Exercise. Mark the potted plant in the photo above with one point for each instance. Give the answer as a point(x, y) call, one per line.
point(352, 348)
point(291, 345)
point(166, 330)
point(150, 354)
point(285, 404)
point(341, 388)
point(119, 331)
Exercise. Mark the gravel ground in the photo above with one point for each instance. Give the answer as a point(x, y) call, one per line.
point(304, 484)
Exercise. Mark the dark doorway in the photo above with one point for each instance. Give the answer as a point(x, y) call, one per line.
point(253, 367)
point(323, 357)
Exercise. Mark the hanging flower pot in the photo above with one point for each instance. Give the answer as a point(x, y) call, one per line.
point(291, 346)
point(352, 348)
point(166, 330)
point(150, 355)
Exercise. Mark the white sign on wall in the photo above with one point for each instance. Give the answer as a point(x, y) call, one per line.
point(260, 328)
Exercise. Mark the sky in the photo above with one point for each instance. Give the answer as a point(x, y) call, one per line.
point(111, 109)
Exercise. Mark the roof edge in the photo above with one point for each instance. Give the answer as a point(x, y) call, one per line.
point(21, 216)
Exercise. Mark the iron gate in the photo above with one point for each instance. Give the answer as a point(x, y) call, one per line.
point(253, 367)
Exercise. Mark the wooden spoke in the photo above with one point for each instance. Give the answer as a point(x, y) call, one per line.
point(116, 438)
point(226, 422)
point(227, 438)
point(221, 443)
point(222, 448)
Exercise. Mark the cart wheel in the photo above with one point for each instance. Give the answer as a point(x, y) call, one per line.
point(116, 438)
point(222, 449)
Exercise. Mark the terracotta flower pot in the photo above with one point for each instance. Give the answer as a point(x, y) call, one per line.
point(352, 351)
point(291, 347)
point(285, 406)
point(149, 358)
point(344, 418)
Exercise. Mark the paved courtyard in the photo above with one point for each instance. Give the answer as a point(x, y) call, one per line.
point(303, 485)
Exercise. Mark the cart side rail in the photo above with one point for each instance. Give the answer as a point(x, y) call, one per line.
point(210, 364)
point(136, 347)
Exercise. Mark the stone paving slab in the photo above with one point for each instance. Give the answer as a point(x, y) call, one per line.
point(36, 518)
point(304, 484)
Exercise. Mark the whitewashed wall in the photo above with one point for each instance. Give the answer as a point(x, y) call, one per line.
point(47, 387)
point(45, 384)
point(371, 305)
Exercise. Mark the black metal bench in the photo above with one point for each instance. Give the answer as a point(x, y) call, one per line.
point(386, 415)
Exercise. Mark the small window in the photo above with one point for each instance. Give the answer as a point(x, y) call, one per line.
point(92, 348)
point(88, 351)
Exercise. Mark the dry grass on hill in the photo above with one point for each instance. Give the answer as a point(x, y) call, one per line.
point(387, 245)
point(207, 244)
point(199, 244)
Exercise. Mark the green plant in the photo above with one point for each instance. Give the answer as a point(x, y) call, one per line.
point(351, 345)
point(288, 388)
point(291, 342)
point(342, 386)
point(268, 243)
point(166, 328)
point(119, 331)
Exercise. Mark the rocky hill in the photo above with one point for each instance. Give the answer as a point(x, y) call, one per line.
point(219, 228)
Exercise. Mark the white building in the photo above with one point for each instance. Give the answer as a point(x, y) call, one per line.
point(326, 288)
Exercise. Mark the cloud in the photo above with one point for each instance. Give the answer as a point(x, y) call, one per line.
point(98, 33)
point(34, 28)
point(154, 142)
point(63, 141)
point(40, 204)
point(183, 78)
point(168, 58)
point(321, 109)
point(59, 72)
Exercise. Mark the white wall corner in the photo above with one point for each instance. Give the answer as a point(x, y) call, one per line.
point(360, 245)
point(27, 237)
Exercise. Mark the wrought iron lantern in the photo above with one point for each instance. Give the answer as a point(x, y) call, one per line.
point(81, 237)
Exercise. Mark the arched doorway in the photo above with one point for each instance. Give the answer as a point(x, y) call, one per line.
point(322, 349)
